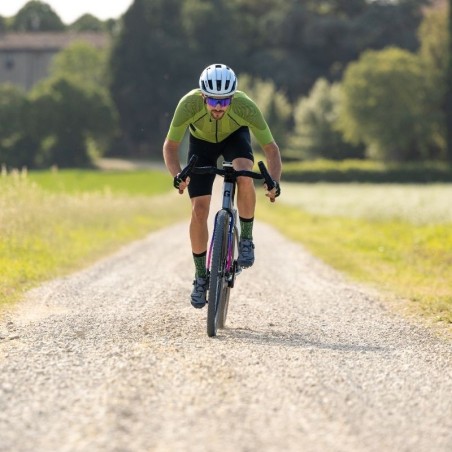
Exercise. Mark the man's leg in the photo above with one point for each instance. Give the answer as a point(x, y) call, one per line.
point(246, 204)
point(199, 234)
point(199, 237)
point(246, 194)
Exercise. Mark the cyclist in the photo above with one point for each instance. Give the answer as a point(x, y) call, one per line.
point(219, 118)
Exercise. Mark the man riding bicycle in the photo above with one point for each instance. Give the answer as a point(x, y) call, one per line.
point(219, 118)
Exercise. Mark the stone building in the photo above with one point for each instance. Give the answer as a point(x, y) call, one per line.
point(25, 58)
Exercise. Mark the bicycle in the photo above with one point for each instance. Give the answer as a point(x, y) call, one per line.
point(222, 266)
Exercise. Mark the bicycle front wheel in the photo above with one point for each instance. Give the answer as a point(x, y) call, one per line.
point(231, 279)
point(218, 284)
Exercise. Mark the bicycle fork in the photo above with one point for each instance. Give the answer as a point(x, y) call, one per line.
point(230, 269)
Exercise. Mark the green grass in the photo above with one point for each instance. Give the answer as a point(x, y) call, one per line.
point(366, 171)
point(395, 237)
point(380, 236)
point(117, 182)
point(45, 233)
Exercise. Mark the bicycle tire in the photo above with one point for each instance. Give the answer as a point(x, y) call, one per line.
point(227, 290)
point(217, 279)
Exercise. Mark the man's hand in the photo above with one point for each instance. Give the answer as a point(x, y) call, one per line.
point(274, 192)
point(180, 184)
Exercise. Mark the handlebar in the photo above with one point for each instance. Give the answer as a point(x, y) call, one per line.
point(190, 168)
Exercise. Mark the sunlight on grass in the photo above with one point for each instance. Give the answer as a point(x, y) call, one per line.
point(44, 234)
point(139, 182)
point(410, 257)
point(417, 204)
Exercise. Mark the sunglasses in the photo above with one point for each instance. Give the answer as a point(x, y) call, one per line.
point(213, 102)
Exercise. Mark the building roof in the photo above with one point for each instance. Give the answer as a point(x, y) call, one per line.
point(49, 41)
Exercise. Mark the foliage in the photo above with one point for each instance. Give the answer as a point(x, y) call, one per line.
point(433, 55)
point(163, 47)
point(314, 135)
point(66, 120)
point(37, 16)
point(70, 113)
point(16, 146)
point(84, 62)
point(433, 38)
point(149, 69)
point(383, 94)
point(87, 22)
point(12, 103)
point(274, 105)
point(160, 47)
point(448, 96)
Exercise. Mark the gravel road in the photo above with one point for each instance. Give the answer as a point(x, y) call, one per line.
point(114, 358)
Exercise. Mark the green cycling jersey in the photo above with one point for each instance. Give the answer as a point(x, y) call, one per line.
point(192, 112)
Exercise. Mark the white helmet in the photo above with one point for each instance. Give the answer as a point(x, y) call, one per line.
point(218, 80)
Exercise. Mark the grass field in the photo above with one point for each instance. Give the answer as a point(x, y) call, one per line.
point(395, 237)
point(75, 219)
point(128, 183)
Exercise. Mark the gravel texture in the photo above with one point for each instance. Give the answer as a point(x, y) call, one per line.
point(114, 358)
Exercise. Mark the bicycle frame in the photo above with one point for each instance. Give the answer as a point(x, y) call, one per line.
point(229, 187)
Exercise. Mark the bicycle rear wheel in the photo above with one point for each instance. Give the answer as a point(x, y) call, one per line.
point(218, 284)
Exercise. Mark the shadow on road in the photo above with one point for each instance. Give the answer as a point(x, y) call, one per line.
point(291, 340)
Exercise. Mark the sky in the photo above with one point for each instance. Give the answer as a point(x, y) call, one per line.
point(70, 10)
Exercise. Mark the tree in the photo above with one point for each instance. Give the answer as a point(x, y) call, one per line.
point(17, 149)
point(151, 68)
point(314, 134)
point(37, 16)
point(68, 116)
point(87, 22)
point(433, 56)
point(383, 105)
point(448, 107)
point(162, 46)
point(83, 61)
point(273, 103)
point(200, 19)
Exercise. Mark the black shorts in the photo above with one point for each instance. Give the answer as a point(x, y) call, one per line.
point(236, 145)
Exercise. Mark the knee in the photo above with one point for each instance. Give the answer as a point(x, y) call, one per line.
point(200, 212)
point(245, 183)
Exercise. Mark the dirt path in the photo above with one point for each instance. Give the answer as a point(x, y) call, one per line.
point(114, 358)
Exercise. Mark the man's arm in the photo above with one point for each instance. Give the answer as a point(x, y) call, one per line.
point(171, 158)
point(273, 157)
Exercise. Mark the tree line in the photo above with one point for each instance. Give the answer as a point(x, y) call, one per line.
point(335, 78)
